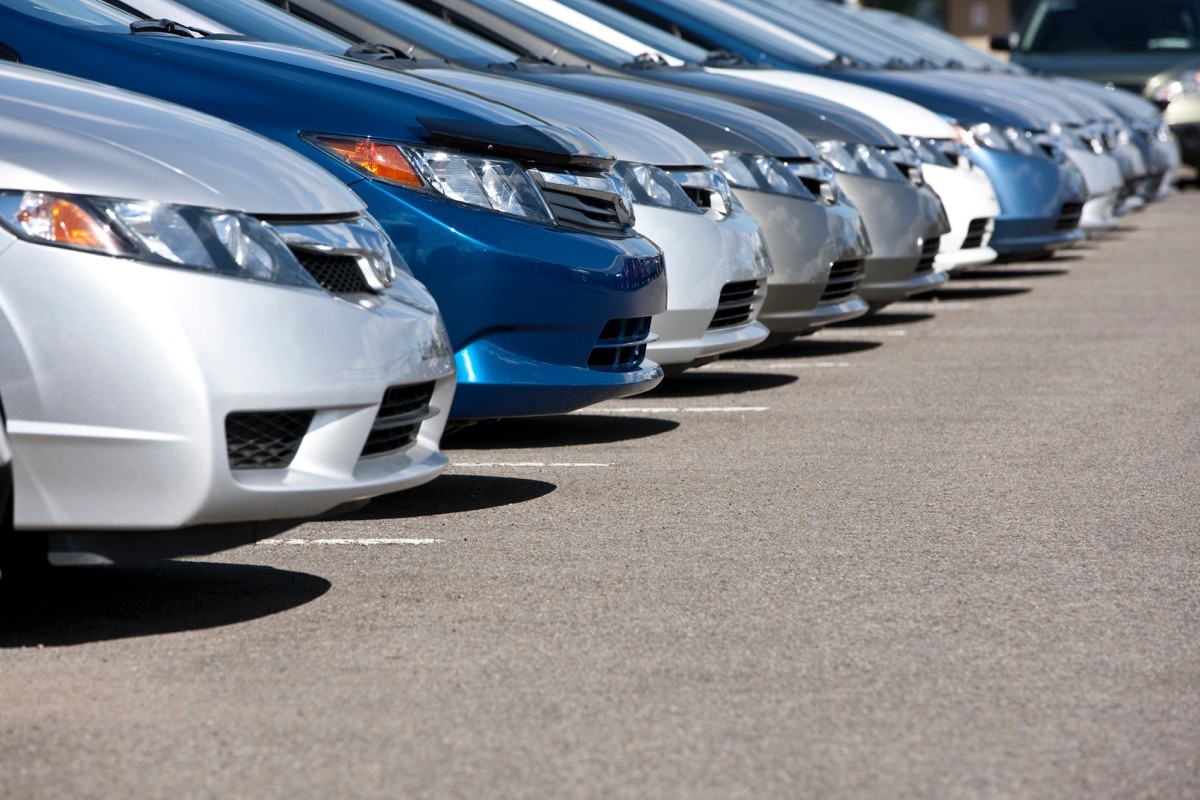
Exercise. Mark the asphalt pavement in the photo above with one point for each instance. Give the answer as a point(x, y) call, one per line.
point(949, 552)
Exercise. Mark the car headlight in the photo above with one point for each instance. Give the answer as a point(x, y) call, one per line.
point(1184, 82)
point(1004, 139)
point(707, 188)
point(859, 159)
point(939, 152)
point(493, 183)
point(759, 173)
point(651, 186)
point(818, 177)
point(208, 240)
point(908, 162)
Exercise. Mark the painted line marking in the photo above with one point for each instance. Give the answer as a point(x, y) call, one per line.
point(675, 410)
point(941, 305)
point(523, 464)
point(360, 542)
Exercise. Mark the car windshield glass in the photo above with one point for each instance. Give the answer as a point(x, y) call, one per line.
point(428, 32)
point(559, 33)
point(834, 28)
point(1112, 26)
point(77, 13)
point(266, 22)
point(935, 43)
point(652, 38)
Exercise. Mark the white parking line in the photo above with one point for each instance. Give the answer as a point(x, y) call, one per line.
point(524, 464)
point(674, 410)
point(360, 542)
point(939, 305)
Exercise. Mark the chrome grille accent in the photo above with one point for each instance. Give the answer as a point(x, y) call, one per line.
point(929, 254)
point(338, 273)
point(589, 212)
point(844, 278)
point(399, 420)
point(736, 303)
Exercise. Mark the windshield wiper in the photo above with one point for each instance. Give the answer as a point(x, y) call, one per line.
point(647, 61)
point(842, 61)
point(374, 51)
point(166, 26)
point(897, 63)
point(533, 58)
point(724, 58)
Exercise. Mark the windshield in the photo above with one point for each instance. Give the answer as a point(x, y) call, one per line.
point(266, 22)
point(556, 32)
point(934, 42)
point(835, 28)
point(76, 13)
point(649, 37)
point(1112, 26)
point(428, 32)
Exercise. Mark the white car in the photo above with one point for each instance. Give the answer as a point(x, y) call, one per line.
point(203, 336)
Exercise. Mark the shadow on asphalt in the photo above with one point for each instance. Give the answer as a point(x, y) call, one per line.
point(75, 605)
point(978, 293)
point(884, 319)
point(1008, 274)
point(452, 494)
point(809, 348)
point(565, 430)
point(704, 384)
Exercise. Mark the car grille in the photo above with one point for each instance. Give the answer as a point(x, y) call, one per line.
point(586, 213)
point(400, 415)
point(264, 439)
point(1068, 218)
point(975, 233)
point(339, 274)
point(844, 278)
point(929, 254)
point(622, 345)
point(736, 303)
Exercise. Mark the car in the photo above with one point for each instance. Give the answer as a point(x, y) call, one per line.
point(546, 289)
point(204, 337)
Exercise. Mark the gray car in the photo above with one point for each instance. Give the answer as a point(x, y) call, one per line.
point(202, 335)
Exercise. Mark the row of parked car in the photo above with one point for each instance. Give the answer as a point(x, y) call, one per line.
point(436, 212)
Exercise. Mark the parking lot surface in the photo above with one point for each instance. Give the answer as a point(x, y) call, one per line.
point(951, 551)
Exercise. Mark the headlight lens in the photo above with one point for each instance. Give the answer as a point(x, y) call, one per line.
point(939, 152)
point(494, 183)
point(208, 240)
point(859, 159)
point(759, 173)
point(818, 177)
point(1004, 139)
point(707, 188)
point(651, 186)
point(1181, 83)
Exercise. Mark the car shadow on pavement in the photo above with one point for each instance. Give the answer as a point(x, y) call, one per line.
point(883, 319)
point(563, 430)
point(805, 347)
point(452, 494)
point(1008, 274)
point(75, 605)
point(705, 383)
point(977, 292)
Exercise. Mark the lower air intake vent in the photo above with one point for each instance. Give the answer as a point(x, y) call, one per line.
point(400, 415)
point(1068, 218)
point(622, 345)
point(587, 213)
point(975, 233)
point(264, 439)
point(736, 304)
point(339, 274)
point(928, 253)
point(843, 280)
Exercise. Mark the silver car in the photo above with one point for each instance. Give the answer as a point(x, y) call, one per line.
point(199, 331)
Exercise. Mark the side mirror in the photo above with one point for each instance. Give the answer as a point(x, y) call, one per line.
point(1003, 41)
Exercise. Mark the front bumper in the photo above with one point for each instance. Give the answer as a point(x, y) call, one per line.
point(970, 203)
point(805, 239)
point(1041, 202)
point(1102, 175)
point(704, 253)
point(117, 392)
point(525, 304)
point(900, 219)
point(1183, 115)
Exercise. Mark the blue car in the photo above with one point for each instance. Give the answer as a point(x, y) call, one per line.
point(518, 229)
point(1041, 199)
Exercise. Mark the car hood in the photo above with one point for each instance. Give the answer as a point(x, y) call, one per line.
point(628, 134)
point(66, 135)
point(710, 122)
point(1127, 70)
point(948, 98)
point(902, 116)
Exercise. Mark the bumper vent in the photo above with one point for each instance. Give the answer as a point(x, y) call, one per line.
point(400, 415)
point(588, 213)
point(975, 233)
point(622, 345)
point(339, 274)
point(928, 254)
point(844, 278)
point(736, 303)
point(1068, 218)
point(264, 439)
